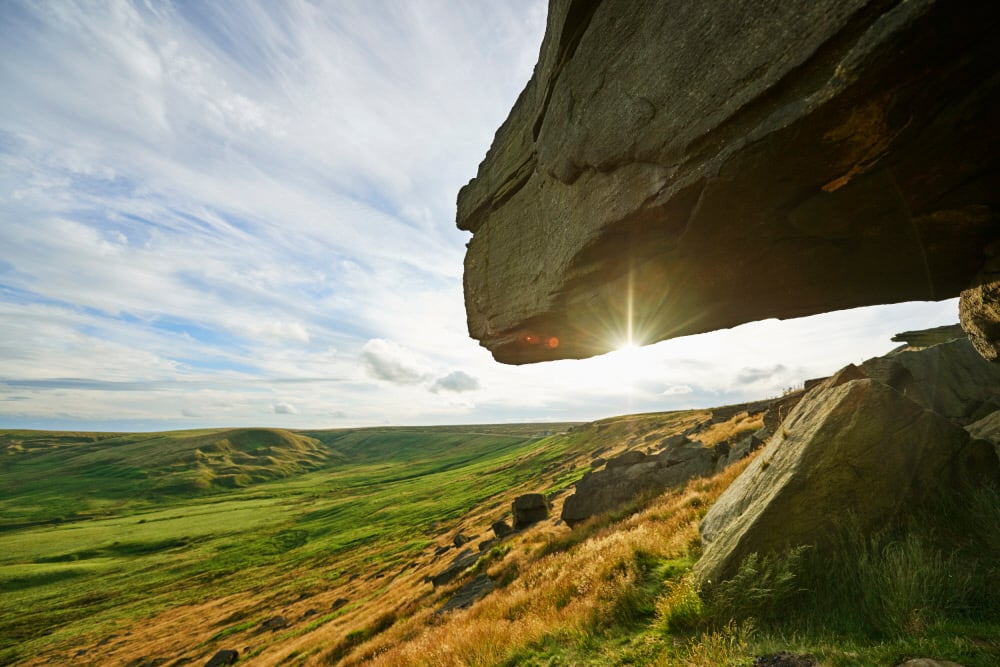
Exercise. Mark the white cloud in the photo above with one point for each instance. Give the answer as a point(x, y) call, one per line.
point(386, 360)
point(677, 390)
point(223, 222)
point(456, 381)
point(284, 409)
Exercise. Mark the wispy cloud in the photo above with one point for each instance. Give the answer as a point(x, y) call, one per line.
point(212, 210)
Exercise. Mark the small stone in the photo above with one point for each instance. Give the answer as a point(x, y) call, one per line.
point(784, 659)
point(501, 529)
point(223, 657)
point(273, 623)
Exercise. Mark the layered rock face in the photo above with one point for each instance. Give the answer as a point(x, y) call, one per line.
point(634, 473)
point(678, 167)
point(860, 449)
point(870, 443)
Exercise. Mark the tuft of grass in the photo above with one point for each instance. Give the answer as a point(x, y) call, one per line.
point(763, 589)
point(680, 609)
point(739, 425)
point(907, 580)
point(728, 645)
point(907, 584)
point(233, 629)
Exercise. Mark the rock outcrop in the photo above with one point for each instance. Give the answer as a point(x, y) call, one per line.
point(634, 473)
point(784, 659)
point(678, 167)
point(928, 337)
point(501, 528)
point(950, 378)
point(988, 429)
point(979, 309)
point(851, 446)
point(273, 624)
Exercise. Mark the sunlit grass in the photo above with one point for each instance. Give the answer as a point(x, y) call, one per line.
point(351, 543)
point(79, 576)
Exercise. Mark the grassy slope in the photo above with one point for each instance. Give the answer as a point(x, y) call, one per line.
point(116, 539)
point(51, 477)
point(342, 552)
point(617, 591)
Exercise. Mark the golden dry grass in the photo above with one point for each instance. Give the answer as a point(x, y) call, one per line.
point(740, 424)
point(554, 594)
point(390, 617)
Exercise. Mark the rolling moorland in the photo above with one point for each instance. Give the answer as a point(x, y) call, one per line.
point(365, 546)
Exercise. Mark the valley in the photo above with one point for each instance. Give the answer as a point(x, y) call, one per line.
point(401, 546)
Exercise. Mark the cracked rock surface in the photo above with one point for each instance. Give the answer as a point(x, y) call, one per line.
point(676, 167)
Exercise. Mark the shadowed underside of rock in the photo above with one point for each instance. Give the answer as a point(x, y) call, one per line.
point(678, 167)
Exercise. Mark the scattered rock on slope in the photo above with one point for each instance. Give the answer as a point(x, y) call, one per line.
point(465, 559)
point(528, 509)
point(146, 661)
point(501, 529)
point(469, 593)
point(860, 447)
point(274, 623)
point(223, 658)
point(784, 659)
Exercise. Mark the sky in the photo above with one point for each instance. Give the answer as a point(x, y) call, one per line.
point(242, 214)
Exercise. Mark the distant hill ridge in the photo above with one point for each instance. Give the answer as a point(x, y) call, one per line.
point(121, 465)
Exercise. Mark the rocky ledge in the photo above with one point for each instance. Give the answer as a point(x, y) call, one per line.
point(677, 167)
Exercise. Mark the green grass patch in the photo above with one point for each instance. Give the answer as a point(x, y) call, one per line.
point(127, 528)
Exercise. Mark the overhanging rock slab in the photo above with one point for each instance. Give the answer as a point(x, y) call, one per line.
point(678, 167)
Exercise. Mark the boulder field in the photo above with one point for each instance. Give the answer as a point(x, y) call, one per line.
point(678, 167)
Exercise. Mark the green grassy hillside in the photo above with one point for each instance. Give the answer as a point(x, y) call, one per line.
point(59, 476)
point(110, 555)
point(101, 530)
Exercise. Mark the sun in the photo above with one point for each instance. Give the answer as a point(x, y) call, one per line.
point(624, 367)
